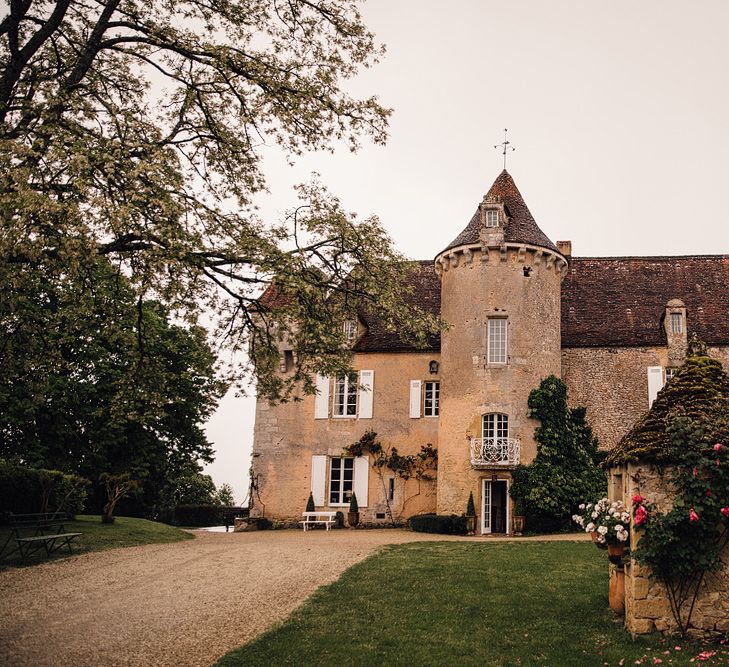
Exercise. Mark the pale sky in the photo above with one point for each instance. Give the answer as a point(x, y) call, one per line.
point(618, 112)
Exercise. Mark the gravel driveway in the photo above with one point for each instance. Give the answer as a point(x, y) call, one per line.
point(178, 604)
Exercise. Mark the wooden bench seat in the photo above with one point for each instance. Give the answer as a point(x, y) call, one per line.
point(33, 532)
point(312, 519)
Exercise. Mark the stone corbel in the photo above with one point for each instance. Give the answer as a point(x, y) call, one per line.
point(522, 254)
point(504, 253)
point(454, 259)
point(550, 261)
point(484, 253)
point(467, 256)
point(538, 257)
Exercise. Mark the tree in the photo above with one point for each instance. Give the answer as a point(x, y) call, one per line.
point(117, 486)
point(86, 388)
point(566, 469)
point(224, 495)
point(134, 131)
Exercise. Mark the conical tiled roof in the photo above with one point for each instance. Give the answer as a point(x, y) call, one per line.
point(521, 226)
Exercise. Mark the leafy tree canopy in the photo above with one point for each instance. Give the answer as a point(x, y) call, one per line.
point(133, 131)
point(566, 468)
point(87, 385)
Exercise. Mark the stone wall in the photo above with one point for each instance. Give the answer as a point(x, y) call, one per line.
point(646, 603)
point(286, 436)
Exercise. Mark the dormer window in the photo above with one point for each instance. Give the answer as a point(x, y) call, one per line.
point(676, 323)
point(492, 217)
point(350, 330)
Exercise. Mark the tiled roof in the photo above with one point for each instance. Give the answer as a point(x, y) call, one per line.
point(426, 294)
point(521, 226)
point(620, 301)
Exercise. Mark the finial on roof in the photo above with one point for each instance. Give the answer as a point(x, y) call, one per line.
point(505, 144)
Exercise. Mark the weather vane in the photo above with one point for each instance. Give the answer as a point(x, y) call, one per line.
point(506, 145)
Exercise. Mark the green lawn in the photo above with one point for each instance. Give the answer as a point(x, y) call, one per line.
point(124, 532)
point(445, 603)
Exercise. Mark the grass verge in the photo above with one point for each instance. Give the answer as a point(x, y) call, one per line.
point(96, 536)
point(444, 603)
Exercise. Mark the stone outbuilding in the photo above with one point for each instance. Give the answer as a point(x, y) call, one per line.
point(644, 463)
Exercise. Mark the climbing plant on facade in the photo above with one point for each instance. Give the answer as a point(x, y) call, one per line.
point(566, 467)
point(420, 466)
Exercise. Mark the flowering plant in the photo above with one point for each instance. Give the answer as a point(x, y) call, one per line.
point(610, 520)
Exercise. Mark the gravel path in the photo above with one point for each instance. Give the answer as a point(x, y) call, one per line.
point(177, 604)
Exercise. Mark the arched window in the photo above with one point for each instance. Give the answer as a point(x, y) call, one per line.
point(495, 425)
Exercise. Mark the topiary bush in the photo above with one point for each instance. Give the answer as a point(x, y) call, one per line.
point(470, 506)
point(353, 505)
point(438, 523)
point(310, 507)
point(566, 469)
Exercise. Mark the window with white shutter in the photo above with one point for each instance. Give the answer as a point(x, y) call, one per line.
point(366, 381)
point(321, 402)
point(655, 383)
point(319, 479)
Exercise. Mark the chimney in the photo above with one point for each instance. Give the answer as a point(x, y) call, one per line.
point(565, 247)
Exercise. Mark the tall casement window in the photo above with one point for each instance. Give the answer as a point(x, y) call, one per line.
point(431, 404)
point(345, 396)
point(676, 323)
point(497, 340)
point(492, 218)
point(495, 425)
point(341, 480)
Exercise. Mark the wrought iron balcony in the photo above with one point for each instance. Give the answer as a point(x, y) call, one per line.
point(494, 452)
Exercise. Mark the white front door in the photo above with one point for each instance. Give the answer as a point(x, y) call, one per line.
point(495, 512)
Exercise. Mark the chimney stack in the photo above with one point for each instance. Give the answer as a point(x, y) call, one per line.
point(565, 247)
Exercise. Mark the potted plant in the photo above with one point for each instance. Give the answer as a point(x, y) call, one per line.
point(470, 515)
point(608, 524)
point(519, 520)
point(353, 514)
point(310, 507)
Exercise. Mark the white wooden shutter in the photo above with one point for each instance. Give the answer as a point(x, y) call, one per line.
point(415, 388)
point(321, 402)
point(655, 383)
point(366, 380)
point(361, 479)
point(319, 479)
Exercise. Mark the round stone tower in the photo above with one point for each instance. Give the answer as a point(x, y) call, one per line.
point(500, 294)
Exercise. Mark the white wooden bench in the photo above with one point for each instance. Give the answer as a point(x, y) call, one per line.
point(312, 519)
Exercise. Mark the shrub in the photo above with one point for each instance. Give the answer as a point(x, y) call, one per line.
point(198, 515)
point(353, 505)
point(310, 507)
point(25, 490)
point(470, 507)
point(438, 523)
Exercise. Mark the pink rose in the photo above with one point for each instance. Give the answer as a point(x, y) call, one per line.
point(725, 511)
point(717, 447)
point(694, 472)
point(641, 514)
point(638, 499)
point(693, 516)
point(708, 494)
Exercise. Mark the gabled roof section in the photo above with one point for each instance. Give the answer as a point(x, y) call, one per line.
point(520, 227)
point(425, 293)
point(620, 301)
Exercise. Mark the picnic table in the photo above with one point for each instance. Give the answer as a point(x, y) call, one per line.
point(35, 531)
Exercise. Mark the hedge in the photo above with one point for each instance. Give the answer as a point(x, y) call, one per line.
point(438, 523)
point(196, 515)
point(25, 490)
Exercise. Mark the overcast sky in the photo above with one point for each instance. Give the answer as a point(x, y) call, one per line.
point(618, 112)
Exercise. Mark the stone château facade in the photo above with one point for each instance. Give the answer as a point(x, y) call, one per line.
point(519, 308)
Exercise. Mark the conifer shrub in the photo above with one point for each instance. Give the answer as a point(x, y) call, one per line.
point(353, 505)
point(310, 507)
point(566, 469)
point(470, 506)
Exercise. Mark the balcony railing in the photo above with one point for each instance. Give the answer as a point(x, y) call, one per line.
point(490, 452)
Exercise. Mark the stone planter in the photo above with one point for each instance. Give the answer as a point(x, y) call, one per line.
point(519, 522)
point(471, 525)
point(353, 519)
point(616, 593)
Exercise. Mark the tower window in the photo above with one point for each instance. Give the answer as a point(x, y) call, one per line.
point(492, 218)
point(496, 426)
point(676, 323)
point(497, 340)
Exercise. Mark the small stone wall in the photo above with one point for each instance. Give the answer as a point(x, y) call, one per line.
point(646, 603)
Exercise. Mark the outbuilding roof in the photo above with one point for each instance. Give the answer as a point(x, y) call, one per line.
point(520, 226)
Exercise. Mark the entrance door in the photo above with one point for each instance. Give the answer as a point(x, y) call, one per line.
point(495, 510)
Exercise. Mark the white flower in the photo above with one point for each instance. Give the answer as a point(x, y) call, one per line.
point(602, 530)
point(582, 506)
point(619, 527)
point(590, 527)
point(594, 515)
point(589, 505)
point(611, 510)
